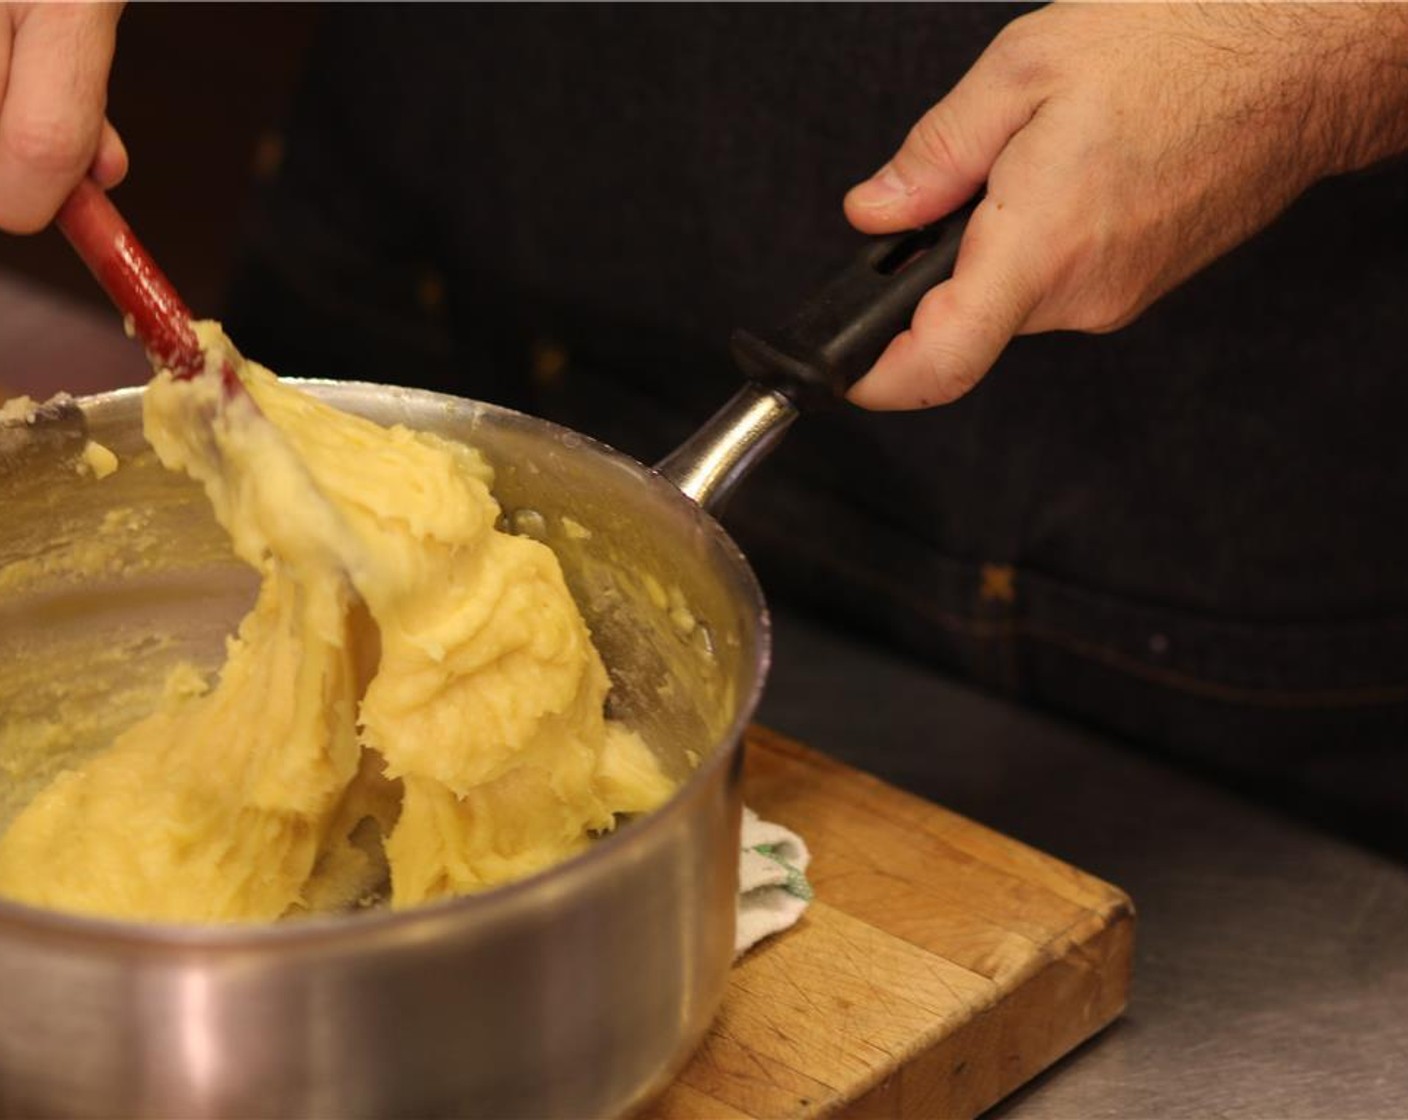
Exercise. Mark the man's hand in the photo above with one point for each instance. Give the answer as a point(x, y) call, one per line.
point(1124, 147)
point(54, 62)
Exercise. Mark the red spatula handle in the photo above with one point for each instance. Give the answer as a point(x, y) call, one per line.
point(131, 278)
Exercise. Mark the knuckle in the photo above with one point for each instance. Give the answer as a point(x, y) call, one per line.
point(949, 365)
point(1110, 316)
point(992, 312)
point(948, 374)
point(933, 140)
point(1106, 307)
point(56, 147)
point(22, 221)
point(1020, 52)
point(1092, 284)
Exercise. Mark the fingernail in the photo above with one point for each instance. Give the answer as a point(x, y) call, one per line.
point(882, 189)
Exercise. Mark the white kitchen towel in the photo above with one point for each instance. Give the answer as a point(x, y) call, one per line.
point(772, 882)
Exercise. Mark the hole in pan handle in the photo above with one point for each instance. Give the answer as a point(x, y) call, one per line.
point(834, 338)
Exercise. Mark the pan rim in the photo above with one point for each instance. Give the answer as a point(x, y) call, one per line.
point(572, 876)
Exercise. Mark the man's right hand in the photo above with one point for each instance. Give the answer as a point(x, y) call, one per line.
point(54, 63)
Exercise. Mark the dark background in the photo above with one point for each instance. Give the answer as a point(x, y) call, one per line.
point(198, 92)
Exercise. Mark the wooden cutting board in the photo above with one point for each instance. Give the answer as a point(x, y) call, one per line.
point(941, 966)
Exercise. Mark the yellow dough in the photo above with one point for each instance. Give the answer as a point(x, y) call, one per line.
point(413, 688)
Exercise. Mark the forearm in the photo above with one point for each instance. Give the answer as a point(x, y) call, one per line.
point(1336, 97)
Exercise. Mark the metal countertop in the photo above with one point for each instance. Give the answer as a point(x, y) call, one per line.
point(1271, 960)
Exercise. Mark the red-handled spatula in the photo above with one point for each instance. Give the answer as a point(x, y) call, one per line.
point(156, 314)
point(162, 322)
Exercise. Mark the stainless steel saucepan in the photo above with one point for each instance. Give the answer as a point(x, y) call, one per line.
point(577, 992)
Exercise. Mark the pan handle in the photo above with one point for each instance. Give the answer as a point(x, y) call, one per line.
point(815, 356)
point(836, 336)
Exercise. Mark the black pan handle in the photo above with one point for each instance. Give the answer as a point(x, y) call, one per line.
point(835, 337)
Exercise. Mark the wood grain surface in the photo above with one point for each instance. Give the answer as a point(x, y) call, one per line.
point(941, 966)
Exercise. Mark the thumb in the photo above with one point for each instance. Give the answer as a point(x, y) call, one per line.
point(947, 155)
